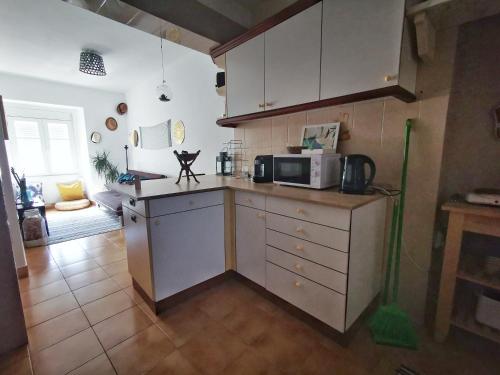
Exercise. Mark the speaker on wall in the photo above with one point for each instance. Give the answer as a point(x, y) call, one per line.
point(220, 79)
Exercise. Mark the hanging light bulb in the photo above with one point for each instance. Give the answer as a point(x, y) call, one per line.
point(163, 91)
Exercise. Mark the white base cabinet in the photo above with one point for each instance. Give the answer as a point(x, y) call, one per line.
point(251, 244)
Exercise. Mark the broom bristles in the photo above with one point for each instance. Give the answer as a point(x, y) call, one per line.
point(392, 326)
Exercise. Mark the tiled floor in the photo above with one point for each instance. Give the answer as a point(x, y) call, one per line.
point(84, 318)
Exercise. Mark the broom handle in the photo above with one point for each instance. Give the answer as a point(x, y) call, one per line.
point(385, 298)
point(404, 172)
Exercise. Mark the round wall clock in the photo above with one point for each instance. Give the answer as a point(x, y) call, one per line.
point(111, 123)
point(134, 138)
point(95, 137)
point(179, 132)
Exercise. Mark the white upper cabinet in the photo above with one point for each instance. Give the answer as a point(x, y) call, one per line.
point(245, 77)
point(362, 47)
point(293, 60)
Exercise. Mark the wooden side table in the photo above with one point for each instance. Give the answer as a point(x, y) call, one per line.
point(470, 218)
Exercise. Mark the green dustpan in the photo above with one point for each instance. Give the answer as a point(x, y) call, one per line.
point(390, 325)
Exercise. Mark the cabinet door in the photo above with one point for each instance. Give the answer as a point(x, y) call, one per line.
point(251, 244)
point(245, 78)
point(361, 45)
point(293, 54)
point(187, 249)
point(139, 262)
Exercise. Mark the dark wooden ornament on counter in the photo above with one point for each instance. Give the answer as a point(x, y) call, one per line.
point(122, 108)
point(111, 123)
point(186, 159)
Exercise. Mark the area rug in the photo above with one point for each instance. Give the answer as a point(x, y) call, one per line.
point(70, 225)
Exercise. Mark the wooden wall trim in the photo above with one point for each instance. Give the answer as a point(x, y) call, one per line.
point(395, 91)
point(262, 27)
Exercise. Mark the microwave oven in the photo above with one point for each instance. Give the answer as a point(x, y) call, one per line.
point(316, 171)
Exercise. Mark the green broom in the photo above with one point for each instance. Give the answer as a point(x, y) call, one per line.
point(390, 325)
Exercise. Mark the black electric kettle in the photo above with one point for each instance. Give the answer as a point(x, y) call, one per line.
point(352, 173)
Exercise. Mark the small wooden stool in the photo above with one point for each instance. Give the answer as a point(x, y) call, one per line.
point(186, 160)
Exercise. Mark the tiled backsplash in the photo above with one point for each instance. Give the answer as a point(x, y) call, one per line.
point(374, 128)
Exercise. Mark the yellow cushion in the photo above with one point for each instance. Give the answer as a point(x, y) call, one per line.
point(71, 191)
point(72, 205)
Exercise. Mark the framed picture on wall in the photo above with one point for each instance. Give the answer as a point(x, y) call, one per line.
point(321, 137)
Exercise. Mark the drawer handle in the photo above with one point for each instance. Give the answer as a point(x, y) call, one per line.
point(157, 222)
point(249, 200)
point(133, 218)
point(299, 247)
point(298, 267)
point(297, 284)
point(132, 202)
point(191, 203)
point(261, 215)
point(300, 211)
point(261, 105)
point(299, 230)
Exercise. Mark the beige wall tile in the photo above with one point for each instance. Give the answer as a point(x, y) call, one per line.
point(295, 123)
point(279, 131)
point(258, 133)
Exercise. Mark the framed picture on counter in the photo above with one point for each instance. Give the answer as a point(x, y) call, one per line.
point(321, 137)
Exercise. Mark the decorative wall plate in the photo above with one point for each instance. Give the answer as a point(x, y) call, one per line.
point(111, 123)
point(122, 108)
point(95, 137)
point(178, 132)
point(134, 138)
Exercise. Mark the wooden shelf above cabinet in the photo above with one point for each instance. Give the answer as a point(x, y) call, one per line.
point(395, 91)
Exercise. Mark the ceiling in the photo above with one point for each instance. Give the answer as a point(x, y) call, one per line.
point(43, 39)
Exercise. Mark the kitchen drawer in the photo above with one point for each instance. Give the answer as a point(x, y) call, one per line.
point(135, 205)
point(312, 271)
point(320, 234)
point(180, 203)
point(251, 200)
point(322, 303)
point(325, 256)
point(315, 213)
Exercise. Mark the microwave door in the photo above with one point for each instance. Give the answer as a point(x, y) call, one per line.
point(293, 170)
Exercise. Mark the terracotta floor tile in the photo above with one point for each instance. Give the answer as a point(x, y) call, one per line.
point(68, 354)
point(286, 344)
point(248, 322)
point(147, 310)
point(108, 306)
point(38, 279)
point(95, 291)
point(65, 247)
point(250, 363)
point(95, 252)
point(182, 322)
point(68, 258)
point(33, 296)
point(94, 241)
point(174, 364)
point(85, 278)
point(123, 279)
point(120, 327)
point(57, 329)
point(49, 309)
point(132, 293)
point(141, 352)
point(111, 257)
point(116, 267)
point(213, 349)
point(217, 303)
point(41, 264)
point(97, 366)
point(79, 267)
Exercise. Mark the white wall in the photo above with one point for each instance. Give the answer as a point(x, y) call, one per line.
point(195, 102)
point(91, 108)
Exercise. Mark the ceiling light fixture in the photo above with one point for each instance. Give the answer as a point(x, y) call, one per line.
point(164, 92)
point(92, 63)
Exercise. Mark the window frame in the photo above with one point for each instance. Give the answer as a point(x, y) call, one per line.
point(42, 122)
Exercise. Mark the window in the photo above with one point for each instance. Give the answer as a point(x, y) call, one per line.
point(41, 147)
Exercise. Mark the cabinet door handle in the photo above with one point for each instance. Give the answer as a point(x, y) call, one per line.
point(298, 267)
point(261, 215)
point(299, 230)
point(191, 203)
point(299, 247)
point(269, 104)
point(132, 202)
point(249, 200)
point(133, 218)
point(261, 105)
point(299, 210)
point(389, 78)
point(297, 284)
